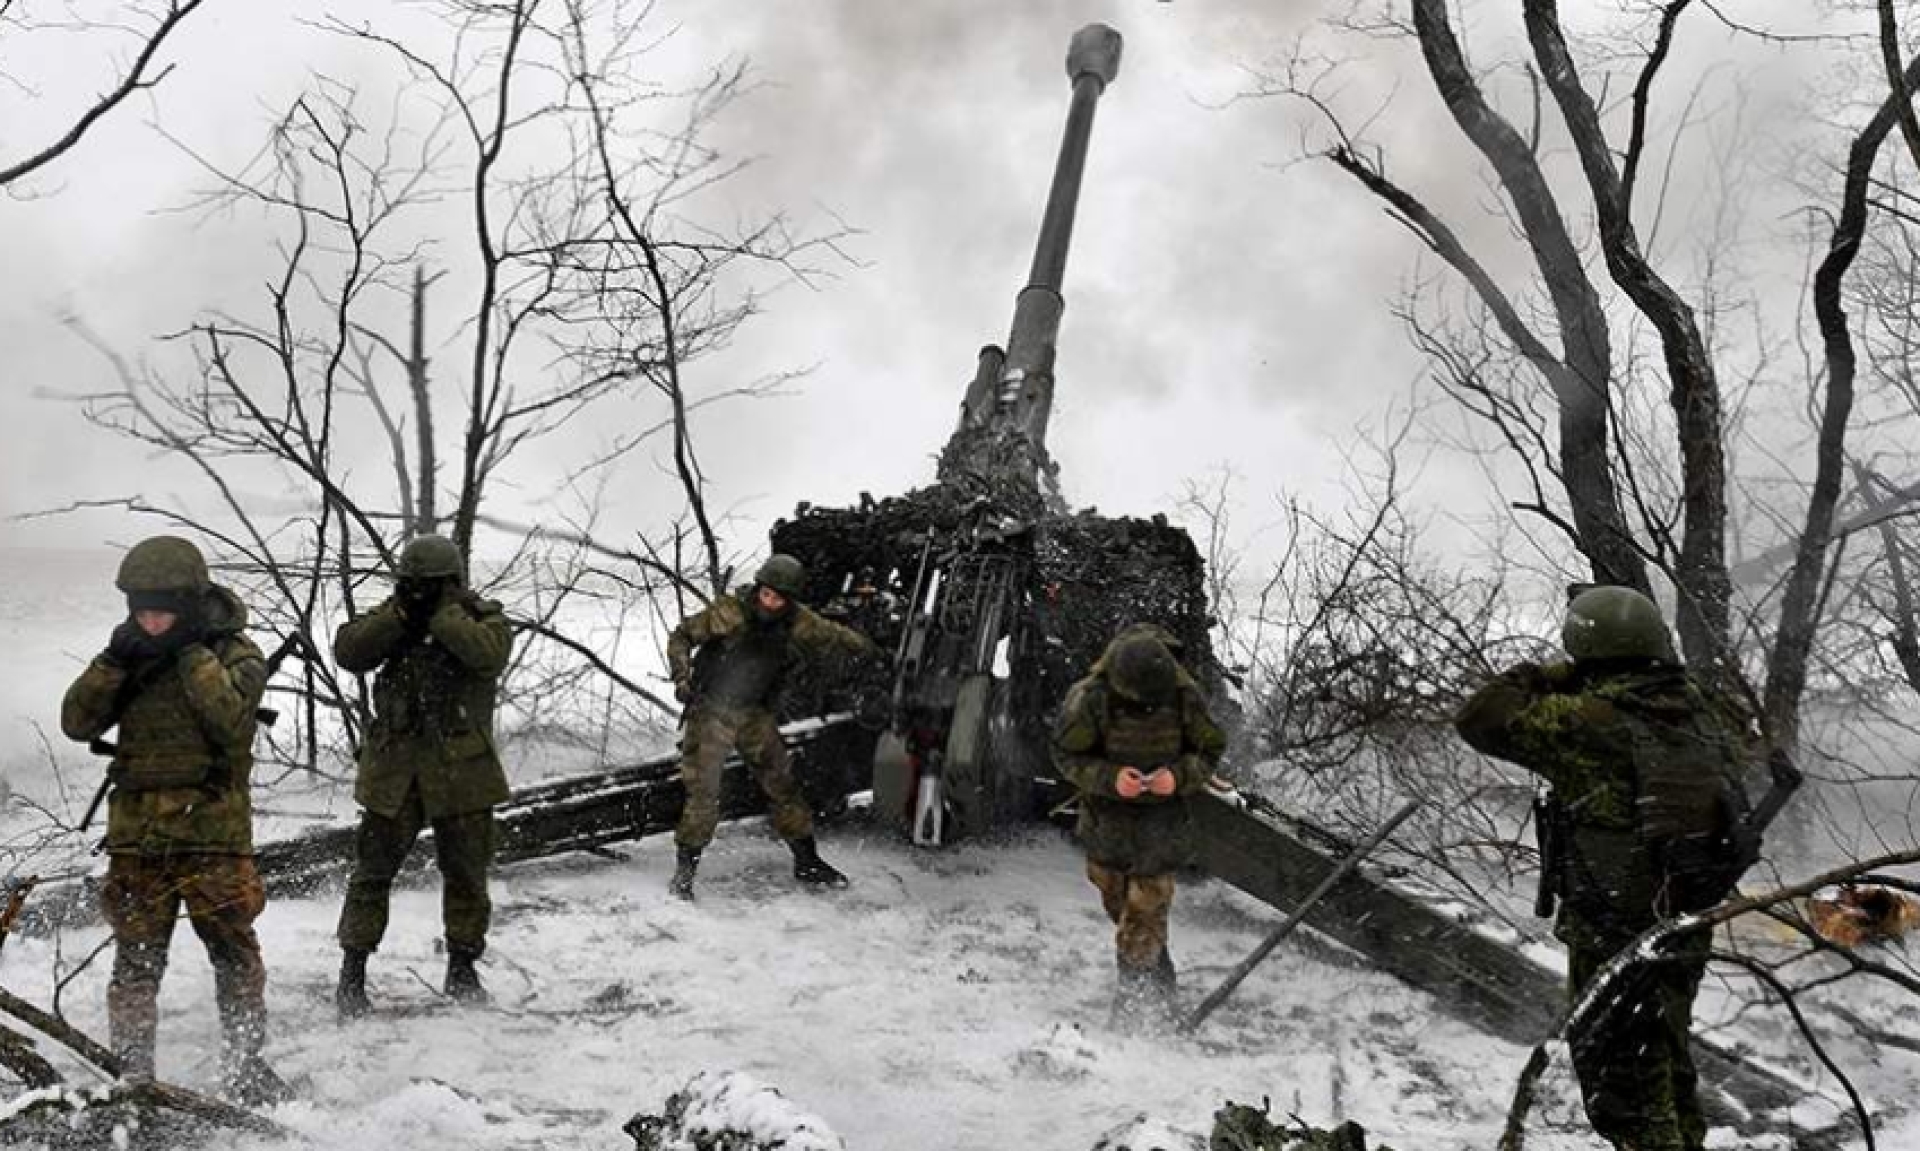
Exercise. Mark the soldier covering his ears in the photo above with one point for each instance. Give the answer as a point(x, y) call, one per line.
point(1644, 764)
point(428, 758)
point(182, 682)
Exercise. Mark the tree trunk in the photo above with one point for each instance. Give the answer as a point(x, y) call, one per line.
point(1583, 376)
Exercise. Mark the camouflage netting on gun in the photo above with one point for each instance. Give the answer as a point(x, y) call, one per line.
point(1094, 575)
point(1003, 466)
point(1082, 577)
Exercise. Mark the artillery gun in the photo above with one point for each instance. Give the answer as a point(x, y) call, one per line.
point(993, 597)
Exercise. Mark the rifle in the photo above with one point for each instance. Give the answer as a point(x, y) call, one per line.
point(1549, 831)
point(135, 684)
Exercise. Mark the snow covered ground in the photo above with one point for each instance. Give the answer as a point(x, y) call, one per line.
point(949, 1000)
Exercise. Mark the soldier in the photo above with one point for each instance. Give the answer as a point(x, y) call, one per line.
point(729, 664)
point(428, 758)
point(1641, 761)
point(1135, 738)
point(182, 681)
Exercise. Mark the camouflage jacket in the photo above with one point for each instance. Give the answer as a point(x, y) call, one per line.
point(433, 701)
point(729, 659)
point(1584, 732)
point(183, 772)
point(1097, 734)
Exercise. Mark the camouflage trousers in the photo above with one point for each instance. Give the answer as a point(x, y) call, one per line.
point(1635, 1070)
point(463, 847)
point(1139, 906)
point(142, 898)
point(711, 733)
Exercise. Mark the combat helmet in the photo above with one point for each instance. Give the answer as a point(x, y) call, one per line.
point(430, 557)
point(1140, 669)
point(1615, 623)
point(783, 574)
point(165, 566)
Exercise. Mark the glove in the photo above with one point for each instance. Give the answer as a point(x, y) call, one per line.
point(682, 691)
point(1162, 782)
point(1128, 783)
point(415, 610)
point(131, 646)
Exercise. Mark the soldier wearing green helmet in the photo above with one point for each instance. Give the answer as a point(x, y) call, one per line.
point(437, 652)
point(181, 681)
point(1642, 825)
point(1136, 739)
point(729, 663)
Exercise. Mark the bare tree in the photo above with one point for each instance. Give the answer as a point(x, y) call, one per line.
point(148, 26)
point(533, 160)
point(1585, 382)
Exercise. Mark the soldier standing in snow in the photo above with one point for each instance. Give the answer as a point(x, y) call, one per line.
point(428, 758)
point(1641, 827)
point(182, 682)
point(729, 663)
point(1135, 738)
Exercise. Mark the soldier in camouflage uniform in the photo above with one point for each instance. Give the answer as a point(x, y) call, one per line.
point(182, 682)
point(1600, 730)
point(729, 663)
point(1136, 739)
point(428, 759)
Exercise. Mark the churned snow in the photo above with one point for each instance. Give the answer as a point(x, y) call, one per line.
point(952, 999)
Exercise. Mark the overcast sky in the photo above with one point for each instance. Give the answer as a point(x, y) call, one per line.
point(1226, 306)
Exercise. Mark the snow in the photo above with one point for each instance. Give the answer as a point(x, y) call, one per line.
point(730, 1103)
point(952, 999)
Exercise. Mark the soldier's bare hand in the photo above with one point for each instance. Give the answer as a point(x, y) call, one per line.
point(1128, 783)
point(1162, 782)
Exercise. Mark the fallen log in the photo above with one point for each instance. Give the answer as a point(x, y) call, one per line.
point(1472, 976)
point(579, 813)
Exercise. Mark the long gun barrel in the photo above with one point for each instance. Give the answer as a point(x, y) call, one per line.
point(1012, 392)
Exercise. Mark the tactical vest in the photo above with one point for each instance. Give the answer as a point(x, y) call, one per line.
point(425, 691)
point(746, 667)
point(1681, 845)
point(161, 743)
point(1142, 736)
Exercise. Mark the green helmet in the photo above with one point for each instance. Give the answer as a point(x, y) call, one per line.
point(1140, 668)
point(1615, 623)
point(430, 557)
point(163, 564)
point(783, 574)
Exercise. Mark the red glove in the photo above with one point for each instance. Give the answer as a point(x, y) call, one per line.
point(1129, 783)
point(1162, 782)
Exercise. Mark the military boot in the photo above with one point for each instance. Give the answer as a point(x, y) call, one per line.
point(249, 1080)
point(681, 885)
point(1143, 1001)
point(463, 981)
point(245, 1076)
point(812, 870)
point(350, 996)
point(1166, 977)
